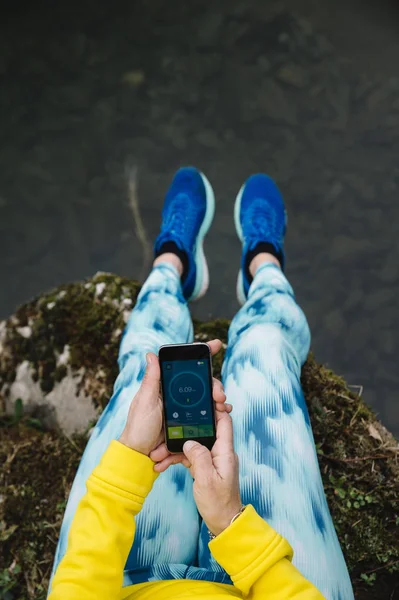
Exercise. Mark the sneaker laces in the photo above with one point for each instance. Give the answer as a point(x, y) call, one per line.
point(263, 221)
point(180, 220)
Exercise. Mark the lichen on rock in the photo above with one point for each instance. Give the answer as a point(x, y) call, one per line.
point(58, 355)
point(58, 351)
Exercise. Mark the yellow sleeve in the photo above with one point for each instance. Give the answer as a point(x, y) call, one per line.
point(258, 561)
point(103, 528)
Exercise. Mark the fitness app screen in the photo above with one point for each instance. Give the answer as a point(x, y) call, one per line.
point(188, 399)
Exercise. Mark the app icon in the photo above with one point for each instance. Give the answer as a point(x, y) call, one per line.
point(206, 430)
point(203, 412)
point(190, 431)
point(175, 415)
point(188, 415)
point(175, 432)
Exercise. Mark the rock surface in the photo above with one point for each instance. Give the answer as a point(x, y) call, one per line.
point(57, 366)
point(57, 352)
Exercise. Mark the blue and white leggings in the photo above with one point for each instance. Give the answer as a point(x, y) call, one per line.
point(279, 475)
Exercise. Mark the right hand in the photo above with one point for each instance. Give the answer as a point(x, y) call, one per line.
point(215, 473)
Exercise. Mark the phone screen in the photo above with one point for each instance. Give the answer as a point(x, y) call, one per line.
point(187, 396)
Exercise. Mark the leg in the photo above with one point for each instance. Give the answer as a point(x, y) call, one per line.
point(166, 537)
point(161, 316)
point(279, 474)
point(268, 343)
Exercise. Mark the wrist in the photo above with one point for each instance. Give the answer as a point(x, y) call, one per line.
point(124, 439)
point(228, 519)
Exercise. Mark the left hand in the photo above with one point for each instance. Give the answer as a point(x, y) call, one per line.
point(144, 431)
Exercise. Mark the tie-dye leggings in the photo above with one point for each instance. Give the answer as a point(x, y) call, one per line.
point(268, 342)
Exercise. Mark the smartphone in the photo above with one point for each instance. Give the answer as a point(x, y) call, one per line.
point(186, 382)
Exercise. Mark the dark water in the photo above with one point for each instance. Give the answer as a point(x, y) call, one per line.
point(306, 91)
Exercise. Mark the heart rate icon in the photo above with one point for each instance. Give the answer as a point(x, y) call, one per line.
point(203, 412)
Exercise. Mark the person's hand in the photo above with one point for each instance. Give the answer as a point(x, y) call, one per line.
point(215, 473)
point(144, 426)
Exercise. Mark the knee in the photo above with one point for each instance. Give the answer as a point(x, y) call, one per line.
point(267, 345)
point(289, 329)
point(263, 336)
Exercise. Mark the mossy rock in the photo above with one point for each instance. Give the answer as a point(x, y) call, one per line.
point(58, 352)
point(72, 334)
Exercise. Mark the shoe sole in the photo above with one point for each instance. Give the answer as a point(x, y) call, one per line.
point(202, 278)
point(241, 297)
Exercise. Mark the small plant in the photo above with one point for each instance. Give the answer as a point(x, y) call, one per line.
point(8, 579)
point(18, 417)
point(9, 420)
point(337, 483)
point(61, 505)
point(18, 410)
point(34, 423)
point(369, 579)
point(6, 532)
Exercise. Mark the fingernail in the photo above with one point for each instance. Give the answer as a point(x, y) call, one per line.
point(188, 445)
point(149, 358)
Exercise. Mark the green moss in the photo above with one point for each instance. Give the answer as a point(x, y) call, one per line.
point(38, 470)
point(72, 315)
point(217, 329)
point(360, 473)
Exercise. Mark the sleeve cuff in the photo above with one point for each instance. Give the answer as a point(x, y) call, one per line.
point(131, 472)
point(248, 548)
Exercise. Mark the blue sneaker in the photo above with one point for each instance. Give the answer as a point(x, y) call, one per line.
point(186, 217)
point(260, 218)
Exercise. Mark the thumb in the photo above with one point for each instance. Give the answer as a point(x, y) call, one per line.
point(199, 457)
point(150, 384)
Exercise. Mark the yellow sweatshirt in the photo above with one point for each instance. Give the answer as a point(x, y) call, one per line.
point(102, 532)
